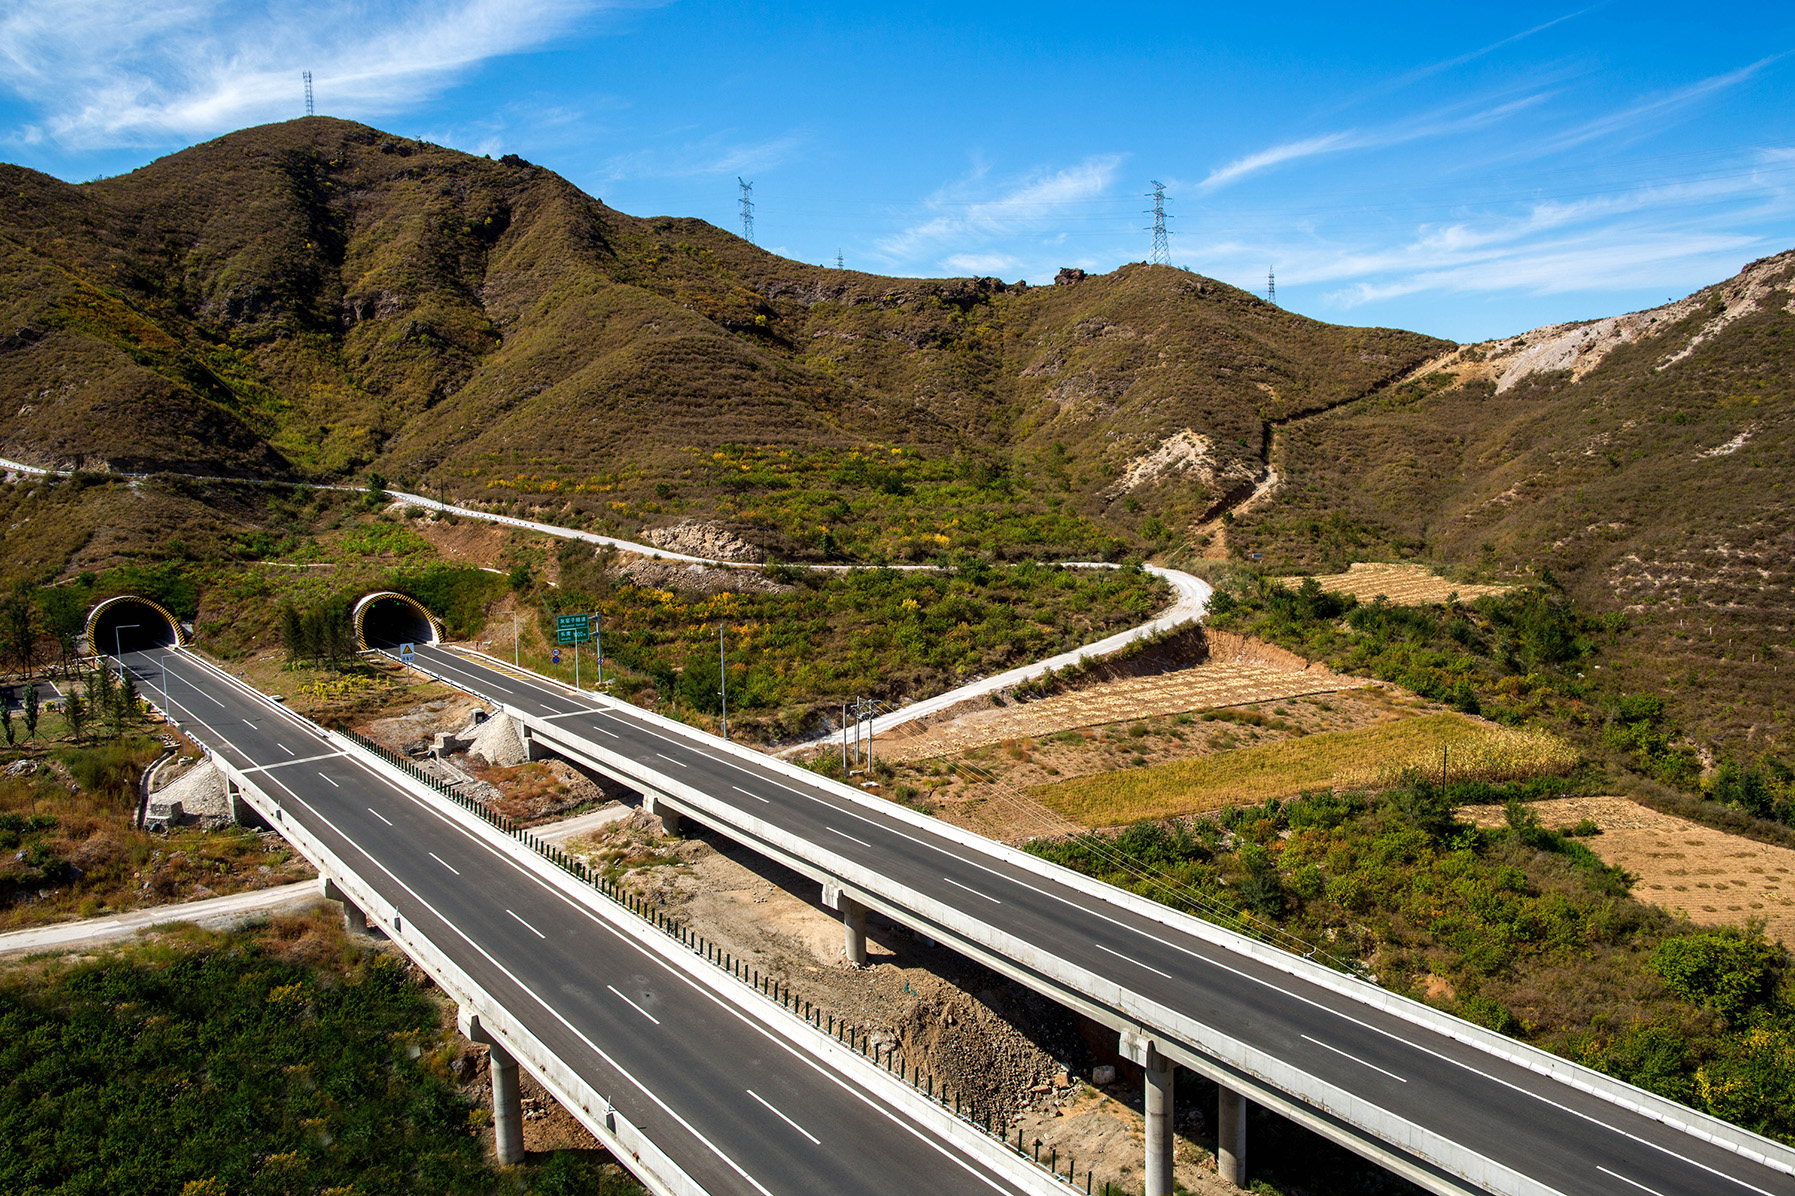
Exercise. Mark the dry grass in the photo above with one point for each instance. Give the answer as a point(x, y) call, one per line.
point(1405, 585)
point(1369, 758)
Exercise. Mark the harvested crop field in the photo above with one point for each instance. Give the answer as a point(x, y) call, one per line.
point(1685, 867)
point(1405, 585)
point(1368, 758)
point(1240, 672)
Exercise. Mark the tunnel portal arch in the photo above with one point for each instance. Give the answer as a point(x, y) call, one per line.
point(132, 623)
point(387, 618)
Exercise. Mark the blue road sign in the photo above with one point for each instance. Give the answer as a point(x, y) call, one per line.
point(557, 656)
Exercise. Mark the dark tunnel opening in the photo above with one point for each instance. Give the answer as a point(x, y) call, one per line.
point(390, 621)
point(131, 625)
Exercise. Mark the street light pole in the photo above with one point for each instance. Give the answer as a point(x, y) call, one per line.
point(168, 710)
point(598, 631)
point(117, 651)
point(516, 653)
point(723, 678)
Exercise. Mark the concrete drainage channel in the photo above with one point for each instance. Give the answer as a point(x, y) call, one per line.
point(799, 1021)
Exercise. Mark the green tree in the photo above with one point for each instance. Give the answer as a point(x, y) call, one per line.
point(21, 628)
point(31, 710)
point(59, 607)
point(102, 693)
point(6, 723)
point(74, 712)
point(1731, 970)
point(292, 632)
point(376, 488)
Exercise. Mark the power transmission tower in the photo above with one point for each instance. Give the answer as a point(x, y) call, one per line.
point(1271, 286)
point(838, 264)
point(308, 93)
point(747, 203)
point(1162, 252)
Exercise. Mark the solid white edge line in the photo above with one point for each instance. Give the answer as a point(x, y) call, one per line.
point(814, 1140)
point(651, 1017)
point(528, 927)
point(1374, 1067)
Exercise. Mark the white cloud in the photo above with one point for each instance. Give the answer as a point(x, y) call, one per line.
point(964, 224)
point(104, 73)
point(979, 263)
point(1277, 155)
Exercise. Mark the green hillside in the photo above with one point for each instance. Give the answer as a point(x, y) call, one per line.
point(312, 298)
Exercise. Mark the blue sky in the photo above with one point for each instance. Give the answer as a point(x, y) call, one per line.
point(1463, 170)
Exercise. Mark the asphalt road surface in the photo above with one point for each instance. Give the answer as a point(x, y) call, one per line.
point(736, 1108)
point(1574, 1142)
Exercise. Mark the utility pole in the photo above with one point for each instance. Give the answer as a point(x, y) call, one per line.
point(308, 93)
point(844, 741)
point(598, 643)
point(838, 264)
point(1162, 252)
point(723, 680)
point(1271, 286)
point(747, 205)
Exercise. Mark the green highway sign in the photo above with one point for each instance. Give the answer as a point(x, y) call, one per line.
point(573, 629)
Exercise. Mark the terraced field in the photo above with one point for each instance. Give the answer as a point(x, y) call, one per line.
point(1405, 585)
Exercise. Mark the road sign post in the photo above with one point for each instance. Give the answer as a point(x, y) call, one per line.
point(575, 630)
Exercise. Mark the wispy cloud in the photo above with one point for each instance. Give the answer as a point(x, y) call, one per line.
point(1652, 110)
point(965, 222)
point(715, 154)
point(103, 73)
point(1437, 124)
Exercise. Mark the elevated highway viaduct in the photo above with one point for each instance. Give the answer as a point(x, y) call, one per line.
point(696, 1082)
point(1447, 1104)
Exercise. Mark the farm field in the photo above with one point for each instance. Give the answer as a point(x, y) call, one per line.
point(1404, 585)
point(1367, 758)
point(1204, 687)
point(1716, 878)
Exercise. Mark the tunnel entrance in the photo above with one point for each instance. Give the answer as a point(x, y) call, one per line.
point(129, 623)
point(388, 619)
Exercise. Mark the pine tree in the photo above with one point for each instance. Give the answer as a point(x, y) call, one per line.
point(31, 709)
point(74, 712)
point(292, 632)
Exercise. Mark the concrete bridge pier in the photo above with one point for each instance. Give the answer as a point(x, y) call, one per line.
point(853, 921)
point(354, 920)
point(1141, 1050)
point(1231, 1138)
point(667, 814)
point(507, 1097)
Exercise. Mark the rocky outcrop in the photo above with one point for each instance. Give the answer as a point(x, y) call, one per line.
point(712, 541)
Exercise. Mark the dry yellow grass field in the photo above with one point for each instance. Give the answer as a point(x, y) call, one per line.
point(1405, 585)
point(1715, 878)
point(1370, 757)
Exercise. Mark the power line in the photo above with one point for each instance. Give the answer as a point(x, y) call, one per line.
point(747, 202)
point(308, 93)
point(1162, 252)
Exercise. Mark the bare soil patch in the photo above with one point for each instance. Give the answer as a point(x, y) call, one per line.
point(1685, 867)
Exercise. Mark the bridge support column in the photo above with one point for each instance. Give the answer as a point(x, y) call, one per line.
point(667, 814)
point(241, 812)
point(354, 920)
point(1231, 1138)
point(853, 921)
point(1141, 1050)
point(507, 1097)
